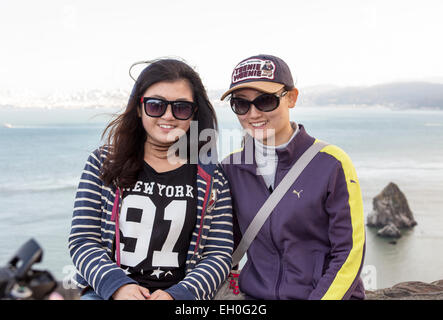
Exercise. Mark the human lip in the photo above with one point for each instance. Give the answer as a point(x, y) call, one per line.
point(258, 124)
point(166, 127)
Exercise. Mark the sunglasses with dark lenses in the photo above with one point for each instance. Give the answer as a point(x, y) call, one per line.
point(155, 107)
point(266, 102)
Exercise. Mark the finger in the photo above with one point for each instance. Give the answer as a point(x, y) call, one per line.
point(155, 295)
point(145, 292)
point(138, 296)
point(164, 296)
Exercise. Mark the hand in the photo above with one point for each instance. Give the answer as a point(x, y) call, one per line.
point(160, 295)
point(131, 292)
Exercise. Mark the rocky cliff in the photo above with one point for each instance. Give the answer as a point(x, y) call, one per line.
point(411, 290)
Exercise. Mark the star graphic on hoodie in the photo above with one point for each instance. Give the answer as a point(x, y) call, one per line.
point(157, 272)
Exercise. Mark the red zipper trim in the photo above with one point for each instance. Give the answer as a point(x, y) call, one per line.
point(207, 178)
point(114, 217)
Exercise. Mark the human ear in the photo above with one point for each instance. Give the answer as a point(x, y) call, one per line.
point(292, 96)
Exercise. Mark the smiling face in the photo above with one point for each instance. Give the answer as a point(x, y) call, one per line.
point(166, 129)
point(265, 125)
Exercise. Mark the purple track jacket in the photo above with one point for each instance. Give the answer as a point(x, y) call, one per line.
point(312, 245)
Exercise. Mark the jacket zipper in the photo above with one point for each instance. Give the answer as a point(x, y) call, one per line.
point(204, 209)
point(280, 271)
point(203, 214)
point(115, 217)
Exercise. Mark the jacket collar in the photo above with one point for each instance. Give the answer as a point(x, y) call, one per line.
point(245, 159)
point(294, 150)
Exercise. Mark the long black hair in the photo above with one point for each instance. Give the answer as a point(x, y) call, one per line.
point(126, 135)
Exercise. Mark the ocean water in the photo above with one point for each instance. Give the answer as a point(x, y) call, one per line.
point(42, 154)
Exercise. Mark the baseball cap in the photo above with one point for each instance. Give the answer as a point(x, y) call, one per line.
point(262, 72)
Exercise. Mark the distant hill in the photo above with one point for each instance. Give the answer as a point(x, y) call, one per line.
point(395, 95)
point(93, 98)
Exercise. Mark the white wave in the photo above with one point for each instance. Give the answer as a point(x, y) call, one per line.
point(404, 167)
point(403, 163)
point(403, 170)
point(41, 185)
point(32, 127)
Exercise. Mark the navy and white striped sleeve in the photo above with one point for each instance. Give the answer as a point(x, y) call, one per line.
point(89, 253)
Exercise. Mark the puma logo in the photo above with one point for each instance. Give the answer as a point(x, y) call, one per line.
point(297, 193)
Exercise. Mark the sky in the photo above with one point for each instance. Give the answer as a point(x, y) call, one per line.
point(79, 45)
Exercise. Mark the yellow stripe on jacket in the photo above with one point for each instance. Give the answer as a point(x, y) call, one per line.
point(349, 270)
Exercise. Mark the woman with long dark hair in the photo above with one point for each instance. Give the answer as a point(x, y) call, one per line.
point(148, 221)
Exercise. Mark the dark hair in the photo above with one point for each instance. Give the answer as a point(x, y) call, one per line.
point(126, 135)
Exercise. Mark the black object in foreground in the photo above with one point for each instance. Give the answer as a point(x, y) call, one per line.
point(19, 281)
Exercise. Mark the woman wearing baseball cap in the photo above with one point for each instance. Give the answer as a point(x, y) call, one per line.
point(312, 244)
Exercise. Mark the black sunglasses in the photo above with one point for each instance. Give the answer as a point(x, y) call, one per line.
point(266, 102)
point(155, 107)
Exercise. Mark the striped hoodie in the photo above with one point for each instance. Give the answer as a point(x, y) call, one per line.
point(93, 233)
point(312, 245)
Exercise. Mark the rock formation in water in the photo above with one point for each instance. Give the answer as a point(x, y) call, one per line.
point(390, 212)
point(389, 231)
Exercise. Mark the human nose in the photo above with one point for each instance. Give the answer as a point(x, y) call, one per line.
point(254, 112)
point(168, 113)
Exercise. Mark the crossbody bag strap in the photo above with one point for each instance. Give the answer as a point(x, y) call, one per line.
point(275, 197)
